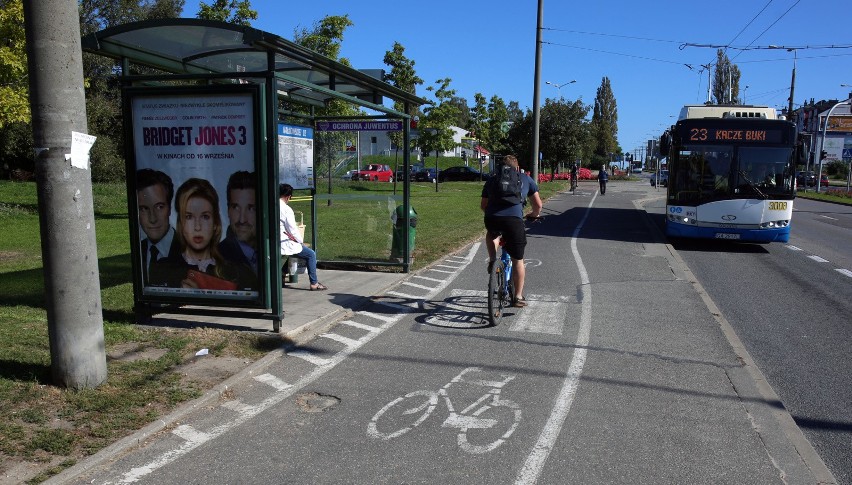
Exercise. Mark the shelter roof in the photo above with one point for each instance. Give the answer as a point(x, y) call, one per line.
point(186, 46)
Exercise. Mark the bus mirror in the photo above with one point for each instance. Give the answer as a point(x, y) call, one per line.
point(665, 143)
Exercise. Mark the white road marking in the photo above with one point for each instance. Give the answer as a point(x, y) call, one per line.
point(169, 456)
point(349, 342)
point(844, 272)
point(415, 285)
point(541, 450)
point(309, 357)
point(543, 314)
point(429, 279)
point(238, 407)
point(794, 248)
point(407, 296)
point(827, 217)
point(441, 271)
point(368, 328)
point(818, 259)
point(272, 381)
point(379, 316)
point(448, 266)
point(457, 312)
point(190, 434)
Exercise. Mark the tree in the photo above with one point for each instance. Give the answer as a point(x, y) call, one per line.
point(604, 121)
point(325, 38)
point(439, 117)
point(403, 76)
point(726, 79)
point(495, 133)
point(232, 11)
point(14, 88)
point(463, 118)
point(564, 133)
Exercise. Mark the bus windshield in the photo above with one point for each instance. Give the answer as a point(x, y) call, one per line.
point(704, 173)
point(764, 169)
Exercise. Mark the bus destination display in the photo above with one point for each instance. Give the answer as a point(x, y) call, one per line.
point(739, 135)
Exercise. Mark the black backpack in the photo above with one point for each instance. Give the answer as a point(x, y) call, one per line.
point(505, 185)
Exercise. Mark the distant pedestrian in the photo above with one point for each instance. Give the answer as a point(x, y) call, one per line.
point(602, 178)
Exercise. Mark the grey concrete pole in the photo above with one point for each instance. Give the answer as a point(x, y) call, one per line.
point(537, 83)
point(72, 284)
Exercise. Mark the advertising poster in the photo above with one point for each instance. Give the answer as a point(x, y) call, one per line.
point(296, 156)
point(195, 183)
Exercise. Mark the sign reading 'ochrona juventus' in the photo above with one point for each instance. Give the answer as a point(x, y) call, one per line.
point(359, 125)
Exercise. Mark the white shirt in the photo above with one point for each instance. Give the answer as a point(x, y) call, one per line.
point(287, 225)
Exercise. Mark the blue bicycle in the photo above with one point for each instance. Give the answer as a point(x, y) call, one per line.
point(501, 289)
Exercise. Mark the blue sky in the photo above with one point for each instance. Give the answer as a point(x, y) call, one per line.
point(488, 47)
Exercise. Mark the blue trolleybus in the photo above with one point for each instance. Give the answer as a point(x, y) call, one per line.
point(731, 174)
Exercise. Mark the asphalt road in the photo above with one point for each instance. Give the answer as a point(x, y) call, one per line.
point(616, 372)
point(791, 304)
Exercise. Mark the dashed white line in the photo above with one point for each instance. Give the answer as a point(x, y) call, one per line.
point(190, 434)
point(239, 407)
point(368, 328)
point(309, 357)
point(272, 381)
point(378, 316)
point(415, 285)
point(844, 272)
point(827, 217)
point(441, 271)
point(436, 280)
point(349, 342)
point(793, 248)
point(400, 294)
point(818, 259)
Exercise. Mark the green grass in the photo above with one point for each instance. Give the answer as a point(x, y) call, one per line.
point(834, 194)
point(40, 422)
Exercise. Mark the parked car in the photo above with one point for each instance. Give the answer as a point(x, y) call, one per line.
point(805, 179)
point(823, 180)
point(459, 174)
point(400, 172)
point(664, 178)
point(348, 175)
point(374, 172)
point(425, 175)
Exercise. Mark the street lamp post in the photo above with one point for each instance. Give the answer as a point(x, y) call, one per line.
point(822, 141)
point(792, 80)
point(559, 86)
point(744, 93)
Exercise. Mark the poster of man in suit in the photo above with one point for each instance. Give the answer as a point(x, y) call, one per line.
point(195, 178)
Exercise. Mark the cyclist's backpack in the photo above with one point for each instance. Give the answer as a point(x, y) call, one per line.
point(505, 185)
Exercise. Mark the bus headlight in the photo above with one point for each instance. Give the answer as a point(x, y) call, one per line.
point(681, 219)
point(775, 224)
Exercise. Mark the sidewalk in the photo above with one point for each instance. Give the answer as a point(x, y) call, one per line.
point(304, 310)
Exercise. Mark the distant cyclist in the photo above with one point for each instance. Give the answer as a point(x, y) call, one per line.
point(507, 218)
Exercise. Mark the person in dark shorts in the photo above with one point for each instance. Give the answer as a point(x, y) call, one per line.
point(508, 220)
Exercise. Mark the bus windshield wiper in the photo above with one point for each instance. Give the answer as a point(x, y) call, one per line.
point(752, 184)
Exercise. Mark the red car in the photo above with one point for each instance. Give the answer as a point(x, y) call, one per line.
point(374, 172)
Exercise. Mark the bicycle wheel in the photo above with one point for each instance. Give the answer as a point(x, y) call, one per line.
point(509, 294)
point(401, 415)
point(496, 298)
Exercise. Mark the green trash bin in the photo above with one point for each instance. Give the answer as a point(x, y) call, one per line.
point(398, 220)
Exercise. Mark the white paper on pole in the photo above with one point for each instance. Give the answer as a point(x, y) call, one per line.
point(81, 144)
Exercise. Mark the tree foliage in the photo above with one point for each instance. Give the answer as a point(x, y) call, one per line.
point(564, 133)
point(439, 117)
point(605, 121)
point(496, 128)
point(403, 76)
point(232, 11)
point(726, 79)
point(14, 85)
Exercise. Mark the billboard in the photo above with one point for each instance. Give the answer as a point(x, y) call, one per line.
point(194, 182)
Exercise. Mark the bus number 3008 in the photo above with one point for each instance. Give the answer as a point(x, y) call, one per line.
point(777, 206)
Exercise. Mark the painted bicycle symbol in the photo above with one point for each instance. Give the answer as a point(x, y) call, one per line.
point(480, 424)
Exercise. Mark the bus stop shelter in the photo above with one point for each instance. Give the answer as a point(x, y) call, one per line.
point(214, 111)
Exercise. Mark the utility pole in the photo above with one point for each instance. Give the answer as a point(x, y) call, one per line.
point(536, 85)
point(66, 214)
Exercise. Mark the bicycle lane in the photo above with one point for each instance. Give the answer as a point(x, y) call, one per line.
point(480, 398)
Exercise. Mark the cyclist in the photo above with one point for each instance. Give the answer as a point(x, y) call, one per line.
point(508, 220)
